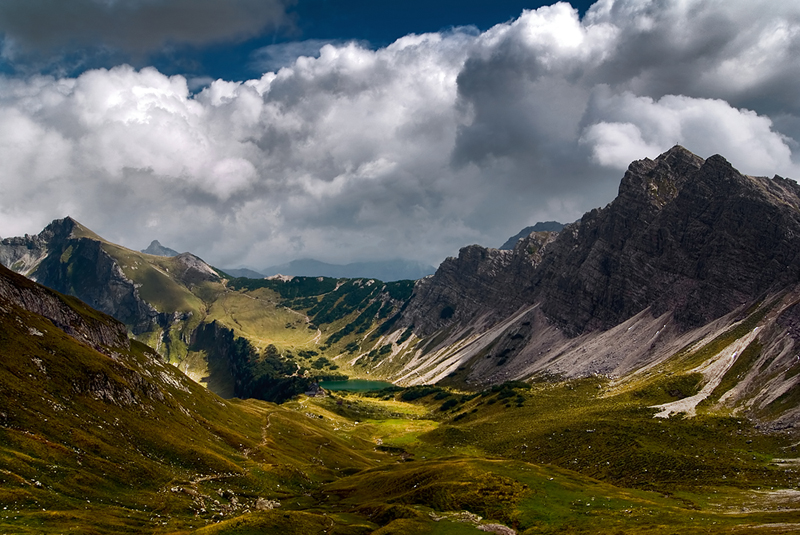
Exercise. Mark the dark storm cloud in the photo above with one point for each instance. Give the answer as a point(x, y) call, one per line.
point(134, 25)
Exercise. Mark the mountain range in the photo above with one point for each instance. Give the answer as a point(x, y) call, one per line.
point(387, 270)
point(605, 377)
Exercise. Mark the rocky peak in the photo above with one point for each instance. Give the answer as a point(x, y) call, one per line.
point(24, 254)
point(655, 183)
point(192, 270)
point(155, 248)
point(689, 236)
point(686, 235)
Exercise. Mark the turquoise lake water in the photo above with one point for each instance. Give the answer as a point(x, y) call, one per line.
point(356, 385)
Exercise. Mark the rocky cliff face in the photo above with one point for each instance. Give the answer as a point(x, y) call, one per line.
point(691, 254)
point(685, 235)
point(696, 238)
point(71, 316)
point(80, 267)
point(481, 284)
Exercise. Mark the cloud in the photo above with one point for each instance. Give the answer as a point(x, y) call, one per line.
point(133, 26)
point(274, 57)
point(413, 150)
point(626, 126)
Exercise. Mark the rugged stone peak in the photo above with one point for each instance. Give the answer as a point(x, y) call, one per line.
point(155, 248)
point(24, 254)
point(688, 236)
point(685, 235)
point(657, 182)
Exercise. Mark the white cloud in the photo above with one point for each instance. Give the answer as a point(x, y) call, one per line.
point(413, 150)
point(632, 125)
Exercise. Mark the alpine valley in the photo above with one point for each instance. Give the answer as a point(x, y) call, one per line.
point(633, 372)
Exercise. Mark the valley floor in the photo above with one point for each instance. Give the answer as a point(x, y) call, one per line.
point(570, 457)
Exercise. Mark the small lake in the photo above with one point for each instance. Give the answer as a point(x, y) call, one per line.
point(355, 385)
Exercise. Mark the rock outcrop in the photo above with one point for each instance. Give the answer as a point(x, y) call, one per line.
point(481, 283)
point(693, 237)
point(542, 226)
point(70, 315)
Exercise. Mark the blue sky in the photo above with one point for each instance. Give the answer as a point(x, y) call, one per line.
point(254, 132)
point(234, 55)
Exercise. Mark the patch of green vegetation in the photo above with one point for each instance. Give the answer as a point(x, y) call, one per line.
point(416, 392)
point(400, 290)
point(669, 388)
point(295, 288)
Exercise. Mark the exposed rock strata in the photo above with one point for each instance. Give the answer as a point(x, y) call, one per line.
point(693, 237)
point(685, 235)
point(99, 331)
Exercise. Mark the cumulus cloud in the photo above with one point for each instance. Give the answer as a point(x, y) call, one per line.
point(413, 150)
point(274, 57)
point(632, 125)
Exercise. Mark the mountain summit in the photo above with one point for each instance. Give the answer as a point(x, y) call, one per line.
point(155, 248)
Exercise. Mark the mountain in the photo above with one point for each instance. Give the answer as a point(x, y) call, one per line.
point(691, 261)
point(243, 272)
point(142, 291)
point(635, 372)
point(387, 271)
point(239, 337)
point(541, 226)
point(155, 248)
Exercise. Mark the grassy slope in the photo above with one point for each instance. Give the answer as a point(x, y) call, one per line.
point(85, 442)
point(551, 458)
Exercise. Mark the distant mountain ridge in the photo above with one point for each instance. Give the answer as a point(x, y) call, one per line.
point(243, 272)
point(386, 270)
point(541, 226)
